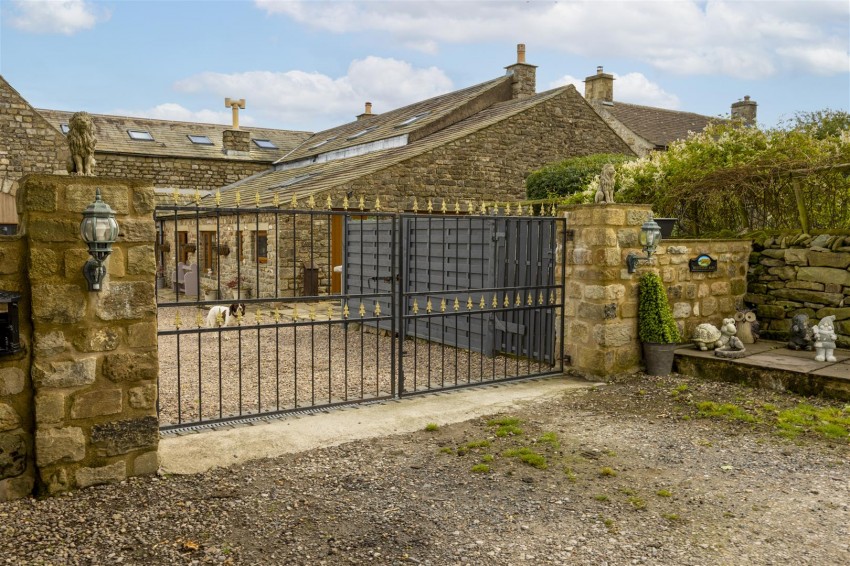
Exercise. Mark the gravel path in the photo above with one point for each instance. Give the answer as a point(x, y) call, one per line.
point(633, 475)
point(238, 372)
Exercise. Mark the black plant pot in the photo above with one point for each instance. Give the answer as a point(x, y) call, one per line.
point(659, 357)
point(667, 225)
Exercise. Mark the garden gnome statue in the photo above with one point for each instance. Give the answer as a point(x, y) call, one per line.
point(824, 334)
point(801, 334)
point(605, 194)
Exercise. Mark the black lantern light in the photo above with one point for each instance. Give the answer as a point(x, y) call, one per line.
point(650, 236)
point(99, 231)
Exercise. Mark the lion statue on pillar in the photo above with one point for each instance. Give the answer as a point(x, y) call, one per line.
point(82, 142)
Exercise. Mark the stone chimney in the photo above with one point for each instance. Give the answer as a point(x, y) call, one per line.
point(745, 110)
point(234, 139)
point(367, 113)
point(524, 75)
point(599, 87)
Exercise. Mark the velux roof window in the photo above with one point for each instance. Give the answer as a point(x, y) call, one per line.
point(362, 133)
point(323, 142)
point(200, 140)
point(413, 119)
point(140, 135)
point(65, 128)
point(265, 144)
point(294, 180)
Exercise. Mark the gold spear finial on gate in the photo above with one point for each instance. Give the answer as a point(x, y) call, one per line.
point(345, 202)
point(276, 314)
point(295, 312)
point(219, 319)
point(507, 302)
point(457, 207)
point(259, 315)
point(362, 203)
point(470, 208)
point(175, 196)
point(456, 305)
point(257, 198)
point(469, 303)
point(519, 209)
point(518, 301)
point(197, 197)
point(276, 200)
point(378, 204)
point(362, 310)
point(554, 210)
point(294, 202)
point(508, 209)
point(430, 208)
point(428, 306)
point(218, 197)
point(443, 305)
point(311, 202)
point(329, 203)
point(239, 317)
point(530, 300)
point(377, 308)
point(482, 303)
point(345, 311)
point(415, 205)
point(443, 208)
point(238, 197)
point(540, 299)
point(415, 306)
point(483, 208)
point(177, 321)
point(495, 302)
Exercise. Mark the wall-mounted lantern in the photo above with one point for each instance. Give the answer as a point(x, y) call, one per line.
point(99, 231)
point(650, 236)
point(10, 333)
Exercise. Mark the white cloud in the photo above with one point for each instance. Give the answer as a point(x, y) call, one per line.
point(299, 99)
point(174, 111)
point(741, 38)
point(631, 87)
point(56, 16)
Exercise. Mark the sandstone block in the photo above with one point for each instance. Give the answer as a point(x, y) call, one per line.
point(803, 296)
point(10, 260)
point(61, 304)
point(97, 339)
point(784, 273)
point(808, 285)
point(677, 250)
point(112, 473)
point(56, 481)
point(75, 259)
point(130, 366)
point(578, 332)
point(141, 260)
point(78, 197)
point(49, 343)
point(9, 419)
point(54, 445)
point(144, 200)
point(126, 301)
point(824, 275)
point(120, 437)
point(770, 311)
point(115, 264)
point(65, 374)
point(612, 335)
point(681, 310)
point(49, 407)
point(138, 230)
point(146, 464)
point(12, 381)
point(720, 288)
point(54, 230)
point(43, 262)
point(13, 454)
point(40, 197)
point(97, 403)
point(143, 397)
point(709, 306)
point(839, 313)
point(141, 334)
point(17, 487)
point(774, 253)
point(768, 262)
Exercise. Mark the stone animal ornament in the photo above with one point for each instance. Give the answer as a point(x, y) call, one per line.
point(733, 346)
point(824, 335)
point(605, 194)
point(727, 331)
point(81, 141)
point(706, 337)
point(748, 326)
point(801, 333)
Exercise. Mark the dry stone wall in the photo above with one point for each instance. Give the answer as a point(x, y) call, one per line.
point(800, 274)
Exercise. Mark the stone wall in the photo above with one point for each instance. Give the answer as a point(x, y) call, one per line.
point(28, 144)
point(176, 172)
point(17, 469)
point(601, 295)
point(94, 359)
point(800, 274)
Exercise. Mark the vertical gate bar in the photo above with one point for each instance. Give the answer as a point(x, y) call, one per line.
point(560, 290)
point(346, 224)
point(397, 295)
point(174, 279)
point(277, 239)
point(312, 327)
point(330, 272)
point(200, 378)
point(428, 277)
point(294, 215)
point(362, 289)
point(295, 359)
point(220, 384)
point(457, 288)
point(276, 355)
point(179, 391)
point(443, 255)
point(468, 223)
point(239, 357)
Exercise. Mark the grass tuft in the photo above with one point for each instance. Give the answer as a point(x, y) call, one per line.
point(432, 427)
point(481, 469)
point(607, 472)
point(528, 456)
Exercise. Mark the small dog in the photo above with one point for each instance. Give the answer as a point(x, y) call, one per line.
point(227, 313)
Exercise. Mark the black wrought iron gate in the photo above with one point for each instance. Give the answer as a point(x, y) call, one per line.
point(340, 307)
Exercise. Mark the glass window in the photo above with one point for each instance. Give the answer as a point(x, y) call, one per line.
point(413, 119)
point(362, 133)
point(200, 140)
point(65, 128)
point(140, 135)
point(261, 246)
point(265, 144)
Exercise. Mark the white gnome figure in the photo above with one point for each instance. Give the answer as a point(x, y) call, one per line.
point(824, 335)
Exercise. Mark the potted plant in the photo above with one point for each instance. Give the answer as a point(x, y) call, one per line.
point(210, 291)
point(239, 288)
point(223, 250)
point(190, 248)
point(656, 328)
point(165, 246)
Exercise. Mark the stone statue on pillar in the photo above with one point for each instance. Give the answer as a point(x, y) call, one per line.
point(81, 141)
point(605, 194)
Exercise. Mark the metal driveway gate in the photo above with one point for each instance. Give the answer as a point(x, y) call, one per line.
point(331, 313)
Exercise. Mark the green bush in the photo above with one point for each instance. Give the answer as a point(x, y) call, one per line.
point(569, 176)
point(655, 320)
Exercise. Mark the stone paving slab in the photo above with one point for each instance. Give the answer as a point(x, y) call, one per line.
point(840, 370)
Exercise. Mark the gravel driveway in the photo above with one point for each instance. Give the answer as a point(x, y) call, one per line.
point(626, 473)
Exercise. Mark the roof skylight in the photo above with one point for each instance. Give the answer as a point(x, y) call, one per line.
point(323, 142)
point(200, 140)
point(265, 144)
point(413, 119)
point(140, 135)
point(293, 180)
point(362, 133)
point(65, 128)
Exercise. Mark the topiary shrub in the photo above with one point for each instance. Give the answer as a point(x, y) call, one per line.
point(655, 319)
point(570, 176)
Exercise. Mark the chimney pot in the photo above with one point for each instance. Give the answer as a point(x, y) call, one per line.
point(520, 53)
point(599, 69)
point(368, 108)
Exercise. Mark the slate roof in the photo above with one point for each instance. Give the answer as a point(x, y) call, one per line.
point(327, 175)
point(658, 125)
point(171, 137)
point(391, 124)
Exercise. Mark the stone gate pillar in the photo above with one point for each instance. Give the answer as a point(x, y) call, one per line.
point(600, 294)
point(94, 365)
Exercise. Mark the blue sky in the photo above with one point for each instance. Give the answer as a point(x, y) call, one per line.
point(309, 65)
